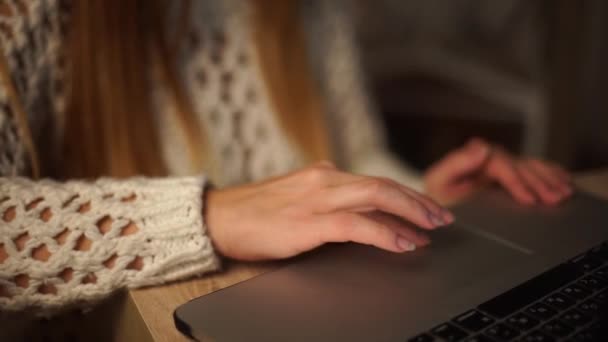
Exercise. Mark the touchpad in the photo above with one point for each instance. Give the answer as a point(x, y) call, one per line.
point(538, 228)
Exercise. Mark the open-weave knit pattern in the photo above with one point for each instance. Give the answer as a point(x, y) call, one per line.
point(71, 243)
point(81, 226)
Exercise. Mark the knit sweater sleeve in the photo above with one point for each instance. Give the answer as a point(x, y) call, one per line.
point(73, 243)
point(70, 244)
point(357, 130)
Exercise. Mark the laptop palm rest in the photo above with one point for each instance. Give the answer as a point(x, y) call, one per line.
point(359, 293)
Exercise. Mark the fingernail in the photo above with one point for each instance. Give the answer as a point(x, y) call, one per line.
point(484, 150)
point(481, 149)
point(405, 245)
point(447, 215)
point(436, 220)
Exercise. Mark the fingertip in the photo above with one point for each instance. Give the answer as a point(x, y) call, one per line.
point(562, 191)
point(429, 226)
point(435, 220)
point(405, 245)
point(424, 239)
point(447, 216)
point(554, 200)
point(550, 196)
point(526, 195)
point(477, 141)
point(526, 199)
point(479, 148)
point(565, 193)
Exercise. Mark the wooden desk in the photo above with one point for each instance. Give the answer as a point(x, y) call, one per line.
point(147, 314)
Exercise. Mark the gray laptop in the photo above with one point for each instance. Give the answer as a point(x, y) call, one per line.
point(502, 272)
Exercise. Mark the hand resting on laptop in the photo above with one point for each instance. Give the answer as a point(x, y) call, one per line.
point(529, 181)
point(291, 214)
point(285, 216)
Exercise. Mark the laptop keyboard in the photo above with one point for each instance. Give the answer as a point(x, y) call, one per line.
point(564, 303)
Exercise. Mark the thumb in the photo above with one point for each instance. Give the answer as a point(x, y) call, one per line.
point(464, 161)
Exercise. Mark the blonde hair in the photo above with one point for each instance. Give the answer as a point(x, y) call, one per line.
point(110, 128)
point(285, 66)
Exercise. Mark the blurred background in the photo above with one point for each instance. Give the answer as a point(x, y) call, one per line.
point(530, 75)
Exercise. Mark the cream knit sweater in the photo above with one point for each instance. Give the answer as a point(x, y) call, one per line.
point(220, 69)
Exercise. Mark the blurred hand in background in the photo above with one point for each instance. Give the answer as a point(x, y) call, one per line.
point(478, 163)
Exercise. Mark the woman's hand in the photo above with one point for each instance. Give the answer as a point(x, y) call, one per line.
point(529, 181)
point(288, 215)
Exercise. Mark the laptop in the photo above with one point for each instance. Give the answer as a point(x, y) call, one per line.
point(501, 272)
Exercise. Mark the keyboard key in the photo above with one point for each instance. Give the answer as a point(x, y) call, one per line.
point(473, 320)
point(576, 292)
point(602, 273)
point(556, 328)
point(501, 332)
point(522, 321)
point(588, 336)
point(589, 307)
point(602, 283)
point(575, 318)
point(601, 298)
point(537, 336)
point(526, 293)
point(558, 301)
point(597, 326)
point(422, 338)
point(479, 338)
point(449, 332)
point(541, 311)
point(587, 262)
point(592, 283)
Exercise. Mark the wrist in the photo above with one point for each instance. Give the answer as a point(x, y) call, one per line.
point(212, 215)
